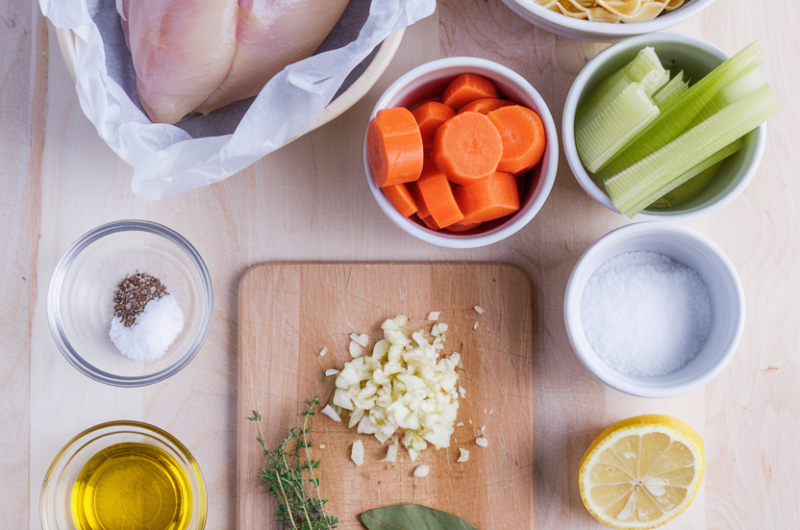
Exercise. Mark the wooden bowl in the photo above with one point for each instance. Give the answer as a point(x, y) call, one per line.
point(340, 104)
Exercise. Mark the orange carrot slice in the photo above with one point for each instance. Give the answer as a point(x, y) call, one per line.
point(415, 106)
point(430, 223)
point(416, 194)
point(487, 200)
point(394, 147)
point(436, 197)
point(467, 148)
point(430, 117)
point(466, 88)
point(523, 138)
point(462, 227)
point(401, 199)
point(486, 105)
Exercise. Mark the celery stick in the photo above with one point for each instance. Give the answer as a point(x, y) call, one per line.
point(675, 86)
point(675, 117)
point(599, 139)
point(751, 79)
point(687, 190)
point(635, 71)
point(641, 184)
point(696, 179)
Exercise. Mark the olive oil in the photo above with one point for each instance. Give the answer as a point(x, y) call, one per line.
point(132, 486)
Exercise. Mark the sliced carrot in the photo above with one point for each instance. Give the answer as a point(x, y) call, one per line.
point(401, 199)
point(467, 148)
point(462, 227)
point(394, 147)
point(523, 138)
point(415, 106)
point(430, 117)
point(436, 198)
point(430, 223)
point(487, 200)
point(416, 194)
point(466, 88)
point(486, 105)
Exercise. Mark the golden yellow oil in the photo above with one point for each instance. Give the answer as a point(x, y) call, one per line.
point(132, 486)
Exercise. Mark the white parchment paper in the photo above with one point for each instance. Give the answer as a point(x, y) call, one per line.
point(169, 159)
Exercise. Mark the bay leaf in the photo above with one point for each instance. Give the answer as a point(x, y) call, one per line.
point(412, 517)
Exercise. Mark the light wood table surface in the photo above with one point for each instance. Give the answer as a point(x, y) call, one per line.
point(309, 201)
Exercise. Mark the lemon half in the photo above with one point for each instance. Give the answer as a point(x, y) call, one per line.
point(642, 472)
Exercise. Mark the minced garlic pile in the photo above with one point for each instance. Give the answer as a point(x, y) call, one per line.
point(404, 388)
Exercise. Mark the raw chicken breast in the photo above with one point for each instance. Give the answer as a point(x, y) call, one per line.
point(200, 55)
point(271, 35)
point(182, 50)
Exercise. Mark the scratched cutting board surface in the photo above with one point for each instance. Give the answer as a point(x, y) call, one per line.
point(289, 312)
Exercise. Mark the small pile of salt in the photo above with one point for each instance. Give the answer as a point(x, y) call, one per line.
point(645, 314)
point(154, 330)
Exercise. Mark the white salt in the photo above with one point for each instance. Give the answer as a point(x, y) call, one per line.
point(155, 329)
point(645, 314)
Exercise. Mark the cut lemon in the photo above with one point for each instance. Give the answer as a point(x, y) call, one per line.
point(642, 472)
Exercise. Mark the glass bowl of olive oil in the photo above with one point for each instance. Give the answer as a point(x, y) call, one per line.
point(123, 475)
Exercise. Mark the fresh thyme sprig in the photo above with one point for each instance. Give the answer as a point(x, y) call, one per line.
point(288, 473)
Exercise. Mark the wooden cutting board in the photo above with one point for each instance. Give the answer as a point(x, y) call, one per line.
point(289, 312)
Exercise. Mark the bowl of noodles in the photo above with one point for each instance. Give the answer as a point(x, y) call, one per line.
point(606, 20)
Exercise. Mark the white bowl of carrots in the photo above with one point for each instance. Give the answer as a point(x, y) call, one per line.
point(461, 152)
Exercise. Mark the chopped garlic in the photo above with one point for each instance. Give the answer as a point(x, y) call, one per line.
point(462, 391)
point(322, 446)
point(331, 371)
point(356, 350)
point(491, 411)
point(331, 413)
point(362, 340)
point(460, 424)
point(391, 453)
point(434, 315)
point(479, 310)
point(405, 387)
point(475, 326)
point(357, 453)
point(483, 442)
point(463, 457)
point(438, 329)
point(422, 471)
point(323, 351)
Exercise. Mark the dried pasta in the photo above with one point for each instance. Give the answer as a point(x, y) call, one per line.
point(612, 11)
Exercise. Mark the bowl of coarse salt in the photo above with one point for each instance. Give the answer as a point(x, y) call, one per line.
point(130, 303)
point(654, 309)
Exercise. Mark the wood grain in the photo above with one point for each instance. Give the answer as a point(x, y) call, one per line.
point(22, 83)
point(289, 312)
point(309, 201)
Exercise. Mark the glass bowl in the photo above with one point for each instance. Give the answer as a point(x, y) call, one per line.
point(80, 301)
point(54, 503)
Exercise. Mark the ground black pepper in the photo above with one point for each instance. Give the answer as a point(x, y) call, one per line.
point(133, 293)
